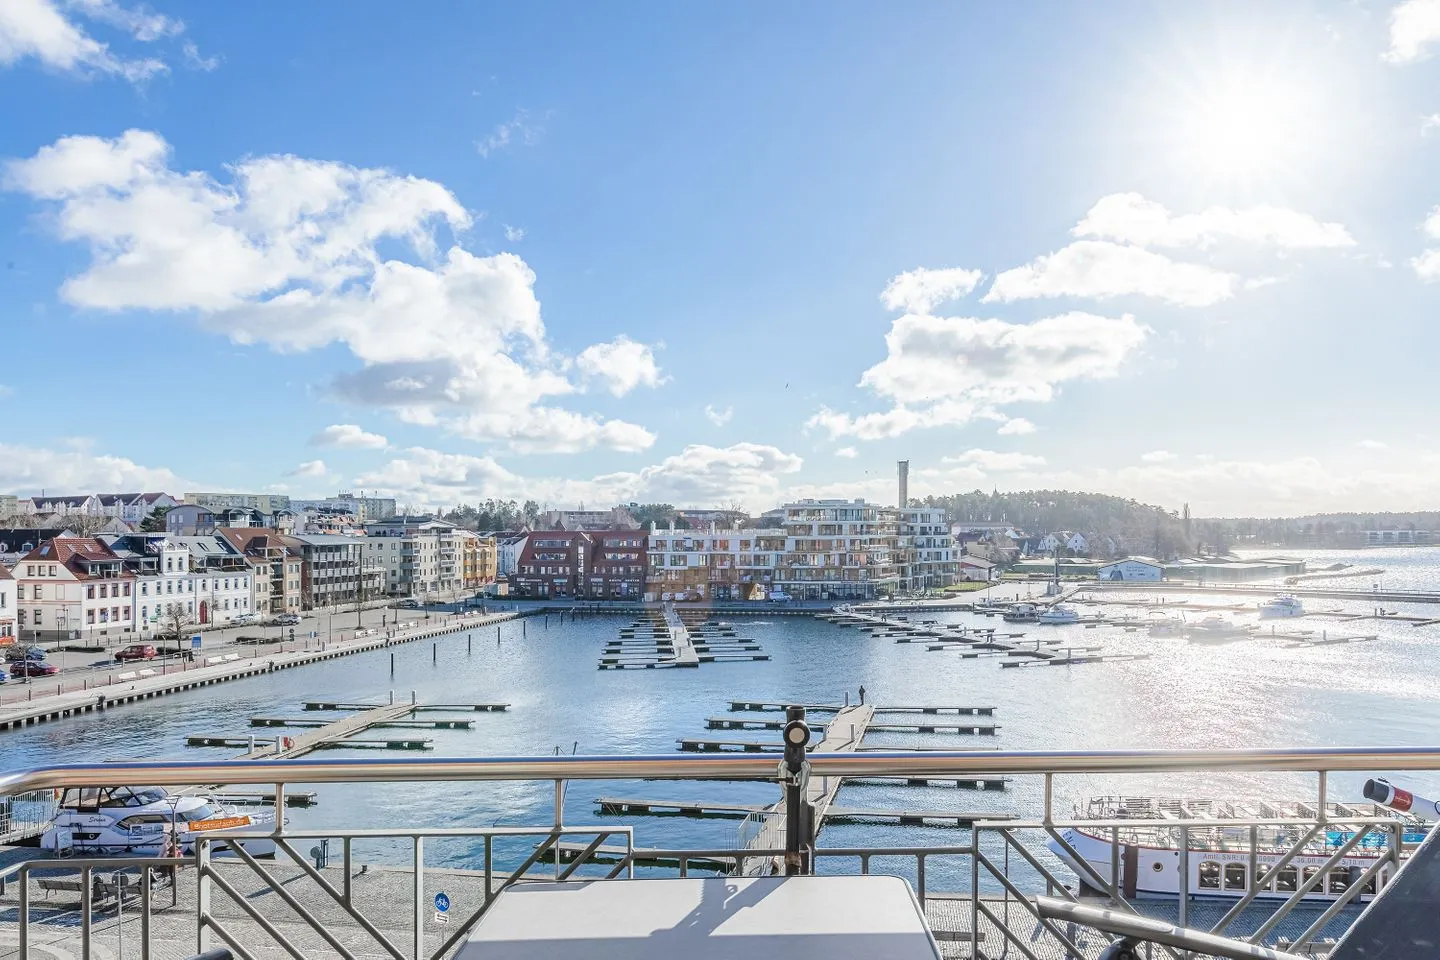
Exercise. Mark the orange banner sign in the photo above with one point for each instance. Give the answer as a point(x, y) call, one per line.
point(223, 823)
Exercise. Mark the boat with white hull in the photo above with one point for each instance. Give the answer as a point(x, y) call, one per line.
point(1282, 606)
point(1220, 858)
point(140, 821)
point(1059, 615)
point(1214, 629)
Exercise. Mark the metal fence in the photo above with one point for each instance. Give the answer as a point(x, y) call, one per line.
point(298, 906)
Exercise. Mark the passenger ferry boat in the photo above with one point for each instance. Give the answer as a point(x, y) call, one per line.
point(1059, 614)
point(1219, 860)
point(1282, 606)
point(139, 821)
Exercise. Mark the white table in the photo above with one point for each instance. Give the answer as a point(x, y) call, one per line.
point(707, 918)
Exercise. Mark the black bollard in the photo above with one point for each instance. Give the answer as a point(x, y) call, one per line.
point(434, 653)
point(469, 648)
point(392, 664)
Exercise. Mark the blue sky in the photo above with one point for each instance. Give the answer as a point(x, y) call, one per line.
point(705, 254)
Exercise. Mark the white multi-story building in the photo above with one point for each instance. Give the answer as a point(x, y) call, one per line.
point(74, 588)
point(926, 550)
point(420, 555)
point(839, 550)
point(363, 508)
point(185, 581)
point(508, 550)
point(129, 507)
point(713, 564)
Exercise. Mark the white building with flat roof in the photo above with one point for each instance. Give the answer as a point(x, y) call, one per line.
point(840, 550)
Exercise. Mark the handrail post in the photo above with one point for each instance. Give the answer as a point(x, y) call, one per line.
point(202, 895)
point(419, 918)
point(797, 736)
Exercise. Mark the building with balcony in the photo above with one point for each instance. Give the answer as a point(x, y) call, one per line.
point(264, 502)
point(927, 555)
point(182, 581)
point(617, 565)
point(716, 563)
point(420, 556)
point(554, 563)
point(335, 571)
point(276, 575)
point(839, 550)
point(362, 508)
point(479, 559)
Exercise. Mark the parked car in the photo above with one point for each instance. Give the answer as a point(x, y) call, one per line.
point(244, 619)
point(288, 619)
point(408, 604)
point(137, 651)
point(779, 596)
point(33, 668)
point(24, 653)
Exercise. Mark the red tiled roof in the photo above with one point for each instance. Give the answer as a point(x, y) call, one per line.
point(72, 552)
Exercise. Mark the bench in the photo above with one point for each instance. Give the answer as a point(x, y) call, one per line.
point(127, 675)
point(102, 889)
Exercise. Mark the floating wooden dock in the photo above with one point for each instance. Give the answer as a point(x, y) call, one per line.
point(673, 808)
point(396, 722)
point(771, 706)
point(356, 743)
point(624, 806)
point(417, 708)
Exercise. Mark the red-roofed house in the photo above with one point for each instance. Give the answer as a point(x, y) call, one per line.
point(74, 588)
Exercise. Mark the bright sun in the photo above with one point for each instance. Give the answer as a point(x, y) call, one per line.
point(1241, 131)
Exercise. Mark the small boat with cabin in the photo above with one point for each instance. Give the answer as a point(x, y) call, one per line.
point(1059, 614)
point(1282, 606)
point(139, 821)
point(1021, 613)
point(1215, 629)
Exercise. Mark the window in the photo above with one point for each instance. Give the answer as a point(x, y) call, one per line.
point(90, 592)
point(1310, 873)
point(89, 617)
point(1287, 880)
point(127, 589)
point(37, 591)
point(1339, 880)
point(1234, 876)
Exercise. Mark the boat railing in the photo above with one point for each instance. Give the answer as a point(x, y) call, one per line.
point(986, 883)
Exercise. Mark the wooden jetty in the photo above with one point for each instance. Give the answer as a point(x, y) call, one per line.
point(625, 806)
point(396, 722)
point(266, 798)
point(771, 706)
point(842, 735)
point(674, 808)
point(668, 639)
point(358, 743)
point(569, 851)
point(417, 708)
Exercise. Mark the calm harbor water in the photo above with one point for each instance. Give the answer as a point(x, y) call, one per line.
point(1252, 693)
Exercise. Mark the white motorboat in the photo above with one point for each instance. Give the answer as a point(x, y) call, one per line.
point(1059, 614)
point(1219, 854)
point(1282, 606)
point(139, 821)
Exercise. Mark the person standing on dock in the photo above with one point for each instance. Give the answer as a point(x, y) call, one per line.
point(862, 694)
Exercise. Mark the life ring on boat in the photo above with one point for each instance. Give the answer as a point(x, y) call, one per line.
point(287, 743)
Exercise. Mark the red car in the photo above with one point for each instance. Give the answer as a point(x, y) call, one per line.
point(137, 651)
point(33, 668)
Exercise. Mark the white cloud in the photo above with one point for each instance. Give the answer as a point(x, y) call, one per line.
point(951, 370)
point(1427, 265)
point(1414, 25)
point(514, 234)
point(621, 365)
point(308, 469)
point(1158, 456)
point(139, 22)
point(1373, 445)
point(697, 476)
point(1432, 224)
point(195, 61)
point(922, 289)
point(1015, 426)
point(717, 416)
point(849, 453)
point(1429, 123)
point(1100, 269)
point(37, 28)
point(995, 461)
point(287, 254)
point(1130, 218)
point(520, 129)
point(72, 468)
point(348, 436)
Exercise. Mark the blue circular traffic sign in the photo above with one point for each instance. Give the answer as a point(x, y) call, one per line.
point(442, 902)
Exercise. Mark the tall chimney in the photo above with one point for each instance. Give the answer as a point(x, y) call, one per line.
point(904, 484)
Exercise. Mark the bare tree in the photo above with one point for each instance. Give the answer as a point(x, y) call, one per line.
point(174, 624)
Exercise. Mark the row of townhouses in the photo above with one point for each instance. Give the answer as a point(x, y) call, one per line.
point(134, 586)
point(818, 550)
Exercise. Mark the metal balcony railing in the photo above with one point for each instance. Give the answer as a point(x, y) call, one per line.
point(298, 905)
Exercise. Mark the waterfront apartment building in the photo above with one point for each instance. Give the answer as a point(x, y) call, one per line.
point(335, 570)
point(479, 559)
point(9, 505)
point(713, 564)
point(74, 588)
point(839, 550)
point(420, 556)
point(264, 502)
point(617, 565)
point(927, 555)
point(276, 575)
point(553, 564)
point(7, 607)
point(508, 549)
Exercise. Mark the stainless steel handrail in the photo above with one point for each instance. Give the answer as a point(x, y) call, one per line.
point(671, 766)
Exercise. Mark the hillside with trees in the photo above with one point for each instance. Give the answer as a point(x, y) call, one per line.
point(1140, 527)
